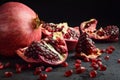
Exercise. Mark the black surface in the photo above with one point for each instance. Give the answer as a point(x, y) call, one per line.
point(73, 12)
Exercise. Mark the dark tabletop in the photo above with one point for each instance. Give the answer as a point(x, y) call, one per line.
point(106, 12)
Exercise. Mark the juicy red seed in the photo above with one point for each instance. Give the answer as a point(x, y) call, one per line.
point(95, 66)
point(7, 65)
point(18, 70)
point(107, 57)
point(99, 59)
point(109, 51)
point(93, 73)
point(103, 67)
point(43, 77)
point(64, 64)
point(118, 60)
point(77, 65)
point(93, 60)
point(48, 69)
point(99, 63)
point(78, 61)
point(102, 50)
point(80, 70)
point(68, 73)
point(1, 66)
point(8, 74)
point(111, 47)
point(37, 71)
point(86, 59)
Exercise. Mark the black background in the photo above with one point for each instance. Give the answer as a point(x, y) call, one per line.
point(75, 11)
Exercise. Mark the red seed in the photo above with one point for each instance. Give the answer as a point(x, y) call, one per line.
point(99, 63)
point(106, 57)
point(43, 76)
point(18, 70)
point(37, 71)
point(109, 51)
point(112, 48)
point(86, 59)
point(1, 66)
point(95, 66)
point(77, 65)
point(8, 74)
point(78, 61)
point(118, 60)
point(93, 73)
point(68, 73)
point(102, 51)
point(80, 70)
point(48, 69)
point(64, 64)
point(103, 67)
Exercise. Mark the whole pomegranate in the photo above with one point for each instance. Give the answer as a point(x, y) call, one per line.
point(19, 26)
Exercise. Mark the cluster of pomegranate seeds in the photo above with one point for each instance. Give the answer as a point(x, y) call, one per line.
point(110, 49)
point(68, 73)
point(8, 74)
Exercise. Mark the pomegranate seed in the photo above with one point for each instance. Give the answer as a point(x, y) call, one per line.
point(78, 61)
point(68, 73)
point(112, 48)
point(77, 65)
point(99, 59)
point(37, 71)
point(99, 63)
point(93, 60)
point(64, 64)
point(102, 51)
point(95, 66)
point(103, 68)
point(18, 70)
point(86, 59)
point(43, 77)
point(93, 73)
point(48, 69)
point(80, 70)
point(7, 65)
point(1, 66)
point(118, 60)
point(106, 57)
point(109, 51)
point(8, 74)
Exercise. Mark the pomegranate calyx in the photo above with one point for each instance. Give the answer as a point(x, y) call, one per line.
point(36, 22)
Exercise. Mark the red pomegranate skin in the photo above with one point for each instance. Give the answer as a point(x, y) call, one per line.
point(17, 27)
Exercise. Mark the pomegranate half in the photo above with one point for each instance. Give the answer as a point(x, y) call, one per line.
point(51, 50)
point(19, 26)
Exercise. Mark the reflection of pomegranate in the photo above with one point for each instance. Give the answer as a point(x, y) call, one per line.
point(109, 33)
point(52, 50)
point(86, 47)
point(19, 26)
point(70, 34)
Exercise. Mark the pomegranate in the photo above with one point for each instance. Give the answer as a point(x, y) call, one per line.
point(51, 50)
point(109, 33)
point(85, 48)
point(70, 34)
point(19, 26)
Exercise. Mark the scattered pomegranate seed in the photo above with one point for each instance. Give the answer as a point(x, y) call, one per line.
point(99, 63)
point(7, 65)
point(80, 70)
point(109, 51)
point(86, 59)
point(68, 73)
point(43, 77)
point(103, 67)
point(37, 71)
point(93, 60)
point(48, 69)
point(78, 61)
point(107, 57)
point(93, 73)
point(99, 59)
point(112, 48)
point(102, 51)
point(8, 74)
point(77, 65)
point(18, 70)
point(64, 64)
point(118, 60)
point(1, 66)
point(95, 66)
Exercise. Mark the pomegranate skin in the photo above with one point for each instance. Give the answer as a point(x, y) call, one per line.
point(19, 26)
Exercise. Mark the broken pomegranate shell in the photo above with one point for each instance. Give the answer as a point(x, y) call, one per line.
point(51, 50)
point(108, 33)
point(70, 34)
point(86, 47)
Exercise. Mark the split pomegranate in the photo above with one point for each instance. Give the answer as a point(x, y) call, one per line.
point(70, 34)
point(109, 33)
point(19, 26)
point(50, 51)
point(86, 48)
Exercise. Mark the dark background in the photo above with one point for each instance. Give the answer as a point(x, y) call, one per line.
point(75, 11)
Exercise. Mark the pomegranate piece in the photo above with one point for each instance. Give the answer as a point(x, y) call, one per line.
point(80, 70)
point(48, 69)
point(109, 33)
point(70, 34)
point(51, 50)
point(8, 74)
point(93, 73)
point(68, 73)
point(86, 48)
